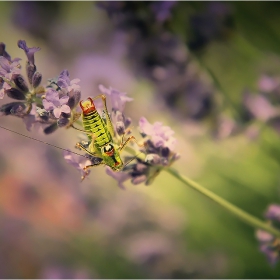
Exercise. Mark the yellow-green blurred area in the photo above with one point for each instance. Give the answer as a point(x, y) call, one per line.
point(54, 226)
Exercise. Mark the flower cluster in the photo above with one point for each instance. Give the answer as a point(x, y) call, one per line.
point(159, 152)
point(258, 108)
point(52, 105)
point(269, 244)
point(157, 144)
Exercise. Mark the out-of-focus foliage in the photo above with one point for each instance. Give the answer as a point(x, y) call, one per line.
point(189, 65)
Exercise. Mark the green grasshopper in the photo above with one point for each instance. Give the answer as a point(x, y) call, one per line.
point(100, 135)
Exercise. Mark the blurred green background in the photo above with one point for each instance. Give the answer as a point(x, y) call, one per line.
point(54, 226)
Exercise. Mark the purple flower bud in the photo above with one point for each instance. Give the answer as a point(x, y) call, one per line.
point(273, 212)
point(6, 55)
point(79, 162)
point(259, 106)
point(29, 121)
point(74, 98)
point(62, 122)
point(30, 70)
point(140, 167)
point(15, 94)
point(69, 87)
point(264, 236)
point(28, 51)
point(162, 9)
point(51, 128)
point(165, 152)
point(121, 177)
point(118, 98)
point(12, 108)
point(36, 79)
point(3, 52)
point(139, 179)
point(20, 82)
point(127, 122)
point(63, 79)
point(269, 244)
point(120, 128)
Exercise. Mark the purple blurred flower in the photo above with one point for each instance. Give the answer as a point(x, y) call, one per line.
point(118, 98)
point(161, 136)
point(268, 84)
point(269, 244)
point(158, 150)
point(28, 51)
point(158, 141)
point(79, 162)
point(7, 68)
point(260, 107)
point(31, 120)
point(273, 212)
point(64, 82)
point(121, 177)
point(162, 9)
point(60, 272)
point(53, 102)
point(70, 88)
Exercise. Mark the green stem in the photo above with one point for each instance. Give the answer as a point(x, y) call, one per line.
point(244, 216)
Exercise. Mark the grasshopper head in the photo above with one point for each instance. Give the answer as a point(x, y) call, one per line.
point(112, 157)
point(87, 106)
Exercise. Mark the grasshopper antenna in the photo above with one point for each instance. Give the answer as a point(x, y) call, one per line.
point(131, 160)
point(40, 141)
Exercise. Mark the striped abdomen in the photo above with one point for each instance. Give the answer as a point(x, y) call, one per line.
point(93, 123)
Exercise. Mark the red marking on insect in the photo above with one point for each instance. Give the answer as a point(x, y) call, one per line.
point(110, 153)
point(87, 106)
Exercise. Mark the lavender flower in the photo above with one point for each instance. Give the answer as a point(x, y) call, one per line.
point(260, 107)
point(34, 77)
point(118, 98)
point(121, 177)
point(69, 87)
point(54, 106)
point(7, 68)
point(159, 144)
point(80, 162)
point(65, 82)
point(161, 136)
point(268, 84)
point(269, 244)
point(162, 9)
point(3, 51)
point(42, 105)
point(57, 105)
point(6, 55)
point(273, 212)
point(28, 51)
